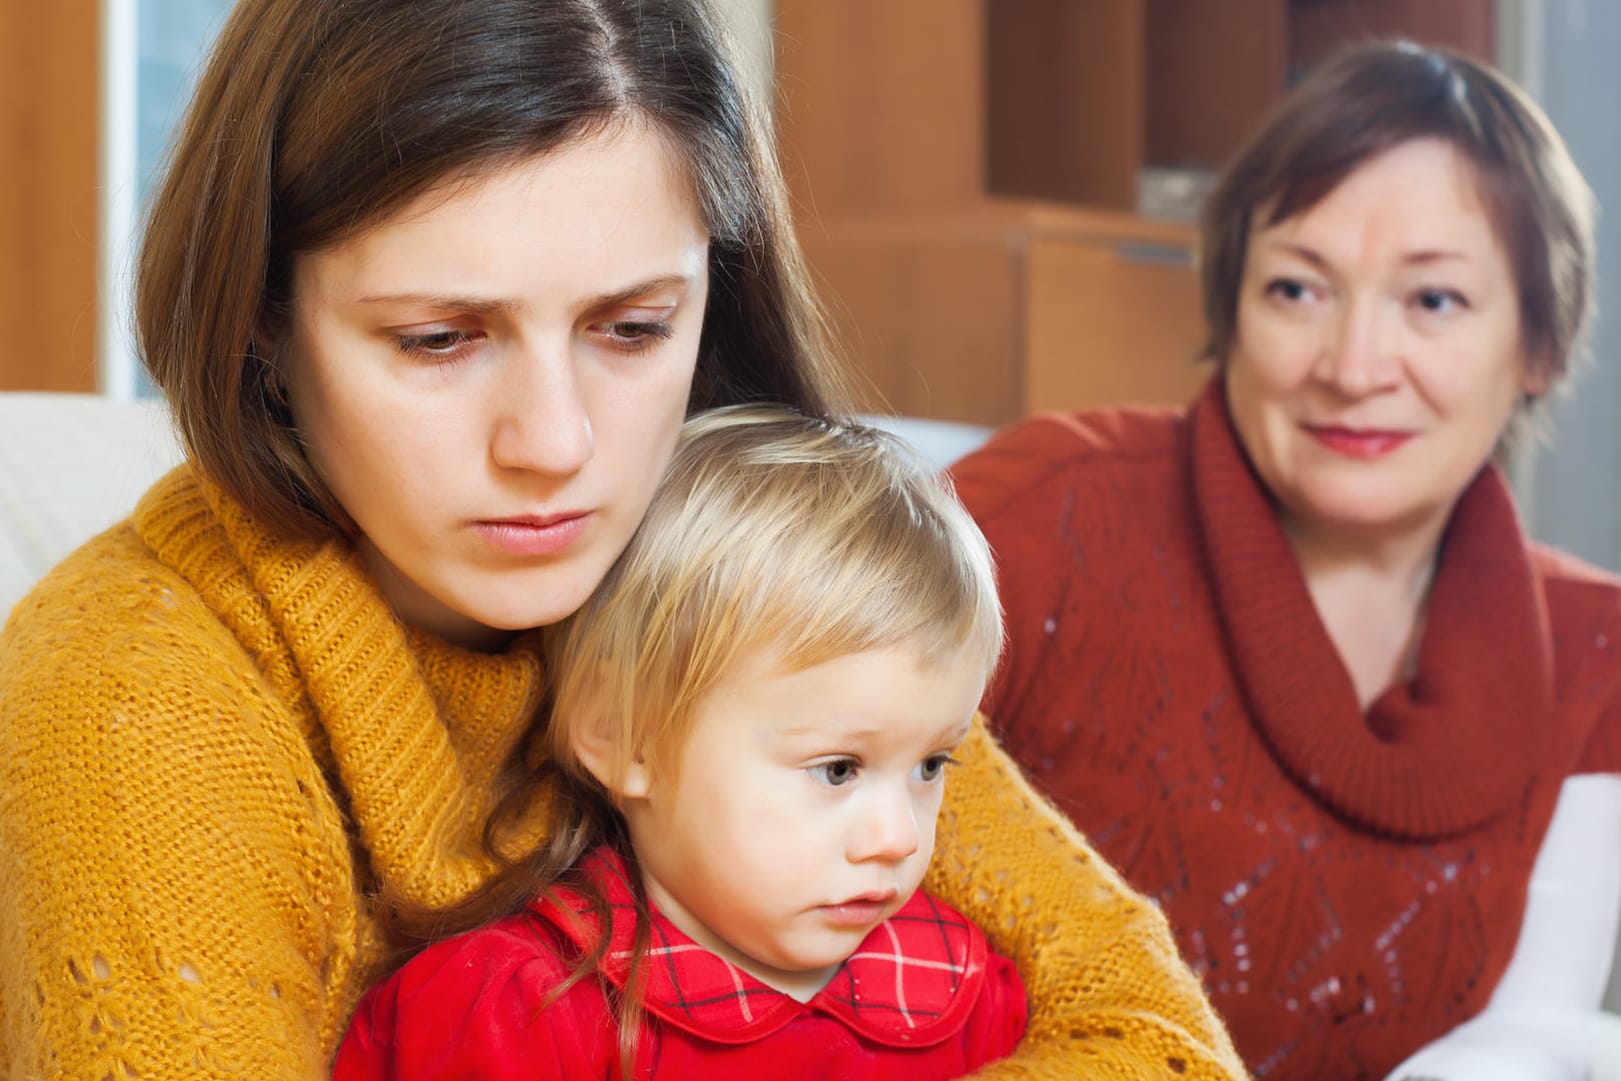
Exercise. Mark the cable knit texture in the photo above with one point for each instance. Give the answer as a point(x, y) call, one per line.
point(218, 742)
point(1349, 884)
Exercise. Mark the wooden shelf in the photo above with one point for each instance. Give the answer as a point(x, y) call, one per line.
point(901, 104)
point(964, 173)
point(48, 196)
point(989, 313)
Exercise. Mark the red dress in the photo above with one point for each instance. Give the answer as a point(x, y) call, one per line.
point(1349, 883)
point(922, 997)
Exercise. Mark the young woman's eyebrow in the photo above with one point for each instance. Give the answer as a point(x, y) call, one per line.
point(471, 304)
point(641, 289)
point(478, 305)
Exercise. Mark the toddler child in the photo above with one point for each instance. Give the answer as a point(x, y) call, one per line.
point(754, 716)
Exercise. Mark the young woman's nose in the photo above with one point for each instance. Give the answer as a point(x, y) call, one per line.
point(1357, 352)
point(542, 417)
point(888, 830)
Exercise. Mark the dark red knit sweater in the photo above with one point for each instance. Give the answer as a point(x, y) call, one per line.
point(1350, 886)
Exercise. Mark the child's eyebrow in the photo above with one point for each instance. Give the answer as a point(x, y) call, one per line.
point(824, 728)
point(952, 733)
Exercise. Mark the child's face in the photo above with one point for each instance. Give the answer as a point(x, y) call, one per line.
point(800, 813)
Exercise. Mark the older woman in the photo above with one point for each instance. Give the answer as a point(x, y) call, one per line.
point(1287, 656)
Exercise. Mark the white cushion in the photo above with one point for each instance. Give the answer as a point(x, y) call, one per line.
point(70, 466)
point(73, 464)
point(941, 442)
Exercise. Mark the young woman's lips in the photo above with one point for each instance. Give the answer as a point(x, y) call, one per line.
point(534, 536)
point(1366, 444)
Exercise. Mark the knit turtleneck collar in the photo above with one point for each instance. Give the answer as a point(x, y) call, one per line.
point(1436, 756)
point(412, 729)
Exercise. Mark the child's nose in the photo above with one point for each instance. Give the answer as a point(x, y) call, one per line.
point(888, 831)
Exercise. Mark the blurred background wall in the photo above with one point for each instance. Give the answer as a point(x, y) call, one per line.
point(993, 194)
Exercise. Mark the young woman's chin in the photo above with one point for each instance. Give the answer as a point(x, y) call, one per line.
point(513, 608)
point(482, 611)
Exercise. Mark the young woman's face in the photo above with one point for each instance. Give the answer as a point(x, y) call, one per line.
point(801, 809)
point(1379, 351)
point(492, 381)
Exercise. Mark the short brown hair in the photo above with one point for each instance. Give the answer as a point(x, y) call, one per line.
point(1375, 97)
point(314, 120)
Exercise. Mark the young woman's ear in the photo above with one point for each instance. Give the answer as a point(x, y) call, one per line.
point(596, 743)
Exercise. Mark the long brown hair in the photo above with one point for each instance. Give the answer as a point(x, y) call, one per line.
point(314, 120)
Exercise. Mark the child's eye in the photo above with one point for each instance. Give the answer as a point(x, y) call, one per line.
point(836, 773)
point(934, 766)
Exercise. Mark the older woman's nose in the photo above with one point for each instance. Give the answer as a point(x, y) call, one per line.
point(1358, 354)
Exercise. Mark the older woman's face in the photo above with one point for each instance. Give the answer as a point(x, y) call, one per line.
point(492, 381)
point(1378, 352)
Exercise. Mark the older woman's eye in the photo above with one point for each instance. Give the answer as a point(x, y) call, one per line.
point(1440, 300)
point(1289, 289)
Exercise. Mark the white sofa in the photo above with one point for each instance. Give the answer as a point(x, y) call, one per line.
point(71, 465)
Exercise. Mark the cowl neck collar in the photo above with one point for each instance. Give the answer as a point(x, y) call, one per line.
point(411, 730)
point(1437, 755)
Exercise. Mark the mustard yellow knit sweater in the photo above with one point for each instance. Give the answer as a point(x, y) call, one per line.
point(215, 743)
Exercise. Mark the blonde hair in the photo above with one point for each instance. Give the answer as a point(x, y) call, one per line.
point(770, 530)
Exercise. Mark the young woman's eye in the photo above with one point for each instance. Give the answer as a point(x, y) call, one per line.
point(837, 772)
point(633, 336)
point(933, 767)
point(1440, 300)
point(437, 344)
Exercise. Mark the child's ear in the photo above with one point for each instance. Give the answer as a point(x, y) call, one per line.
point(595, 742)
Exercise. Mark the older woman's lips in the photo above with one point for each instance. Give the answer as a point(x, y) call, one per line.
point(1366, 444)
point(534, 536)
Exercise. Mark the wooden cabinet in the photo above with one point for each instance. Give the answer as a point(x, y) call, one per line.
point(896, 104)
point(986, 314)
point(48, 195)
point(965, 174)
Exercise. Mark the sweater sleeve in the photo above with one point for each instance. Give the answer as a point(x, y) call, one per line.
point(1023, 493)
point(1602, 752)
point(479, 1007)
point(172, 899)
point(1002, 1014)
point(1109, 996)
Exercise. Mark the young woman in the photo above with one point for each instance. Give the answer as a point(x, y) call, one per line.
point(430, 286)
point(1287, 656)
point(754, 719)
